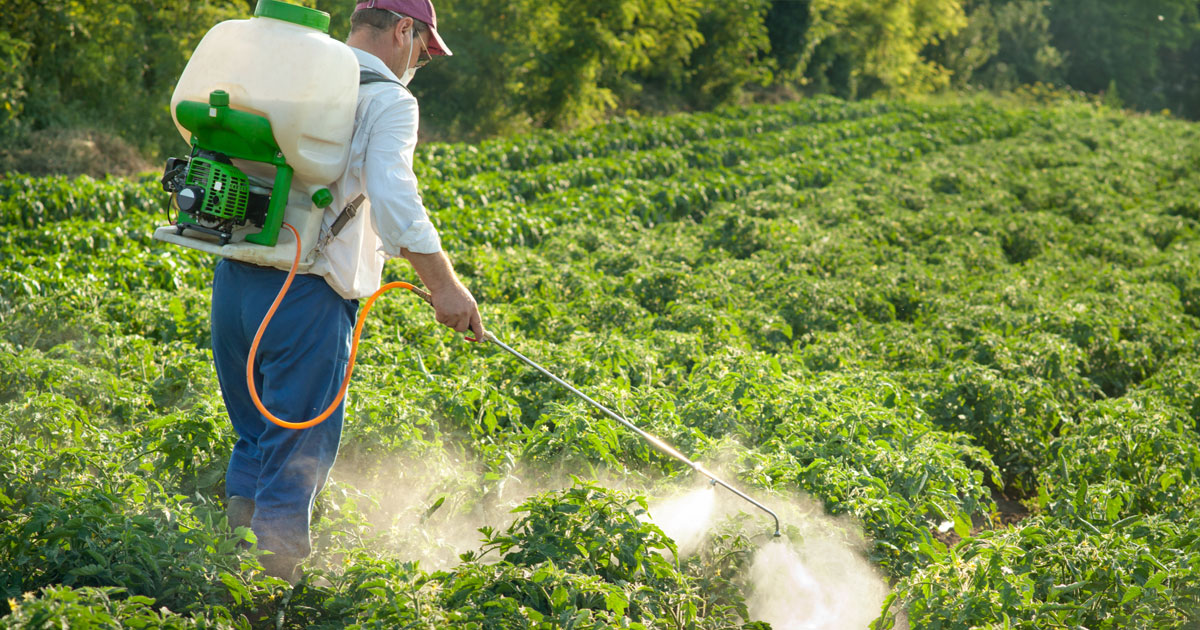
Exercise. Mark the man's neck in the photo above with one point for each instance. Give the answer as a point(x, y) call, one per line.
point(371, 45)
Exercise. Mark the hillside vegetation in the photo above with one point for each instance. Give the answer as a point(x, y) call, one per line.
point(84, 87)
point(972, 327)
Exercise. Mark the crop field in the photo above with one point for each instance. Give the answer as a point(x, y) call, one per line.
point(957, 341)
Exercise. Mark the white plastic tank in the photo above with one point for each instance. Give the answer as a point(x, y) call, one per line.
point(282, 65)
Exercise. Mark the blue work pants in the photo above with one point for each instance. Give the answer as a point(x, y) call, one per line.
point(299, 367)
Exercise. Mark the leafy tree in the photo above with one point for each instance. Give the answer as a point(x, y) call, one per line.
point(882, 41)
point(734, 39)
point(787, 24)
point(1127, 43)
point(1006, 43)
point(520, 63)
point(14, 55)
point(1181, 92)
point(582, 40)
point(478, 91)
point(102, 64)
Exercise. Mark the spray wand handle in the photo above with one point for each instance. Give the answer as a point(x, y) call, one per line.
point(423, 294)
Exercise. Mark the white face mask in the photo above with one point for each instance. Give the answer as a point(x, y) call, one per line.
point(409, 73)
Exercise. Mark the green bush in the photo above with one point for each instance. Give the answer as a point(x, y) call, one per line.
point(110, 608)
point(1044, 573)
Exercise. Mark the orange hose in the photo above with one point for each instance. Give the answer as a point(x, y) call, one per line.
point(362, 318)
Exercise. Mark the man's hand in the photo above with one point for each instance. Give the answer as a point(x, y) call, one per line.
point(456, 308)
point(452, 302)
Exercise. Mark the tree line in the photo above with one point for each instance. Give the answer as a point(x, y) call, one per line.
point(522, 64)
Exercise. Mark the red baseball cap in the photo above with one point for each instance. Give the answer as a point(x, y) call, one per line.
point(417, 10)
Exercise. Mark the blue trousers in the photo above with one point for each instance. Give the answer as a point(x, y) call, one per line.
point(299, 366)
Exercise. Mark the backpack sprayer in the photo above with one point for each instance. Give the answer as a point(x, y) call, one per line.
point(251, 126)
point(267, 105)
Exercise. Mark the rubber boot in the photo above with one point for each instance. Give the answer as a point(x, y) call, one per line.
point(239, 511)
point(286, 568)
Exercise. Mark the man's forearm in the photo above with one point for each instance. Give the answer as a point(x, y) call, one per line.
point(435, 270)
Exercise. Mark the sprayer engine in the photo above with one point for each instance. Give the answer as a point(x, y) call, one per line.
point(212, 195)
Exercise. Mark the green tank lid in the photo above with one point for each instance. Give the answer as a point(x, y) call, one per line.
point(322, 198)
point(295, 14)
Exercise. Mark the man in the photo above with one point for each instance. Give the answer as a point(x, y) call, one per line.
point(274, 473)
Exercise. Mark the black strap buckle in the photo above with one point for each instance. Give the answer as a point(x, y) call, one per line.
point(347, 213)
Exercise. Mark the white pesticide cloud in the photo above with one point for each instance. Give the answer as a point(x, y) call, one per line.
point(819, 580)
point(822, 580)
point(686, 518)
point(816, 584)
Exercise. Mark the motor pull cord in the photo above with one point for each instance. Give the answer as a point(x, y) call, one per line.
point(362, 318)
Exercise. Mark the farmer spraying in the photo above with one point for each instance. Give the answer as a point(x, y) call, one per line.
point(275, 473)
point(300, 178)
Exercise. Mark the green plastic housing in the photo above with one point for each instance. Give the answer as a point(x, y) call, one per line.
point(240, 135)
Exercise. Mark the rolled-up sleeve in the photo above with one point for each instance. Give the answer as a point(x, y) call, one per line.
point(397, 212)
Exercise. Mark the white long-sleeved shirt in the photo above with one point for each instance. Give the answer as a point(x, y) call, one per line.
point(393, 216)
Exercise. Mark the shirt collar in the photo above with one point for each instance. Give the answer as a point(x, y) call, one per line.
point(371, 62)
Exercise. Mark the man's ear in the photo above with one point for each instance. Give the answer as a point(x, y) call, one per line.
point(402, 26)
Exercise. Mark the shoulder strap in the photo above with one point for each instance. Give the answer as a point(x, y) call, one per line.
point(366, 76)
